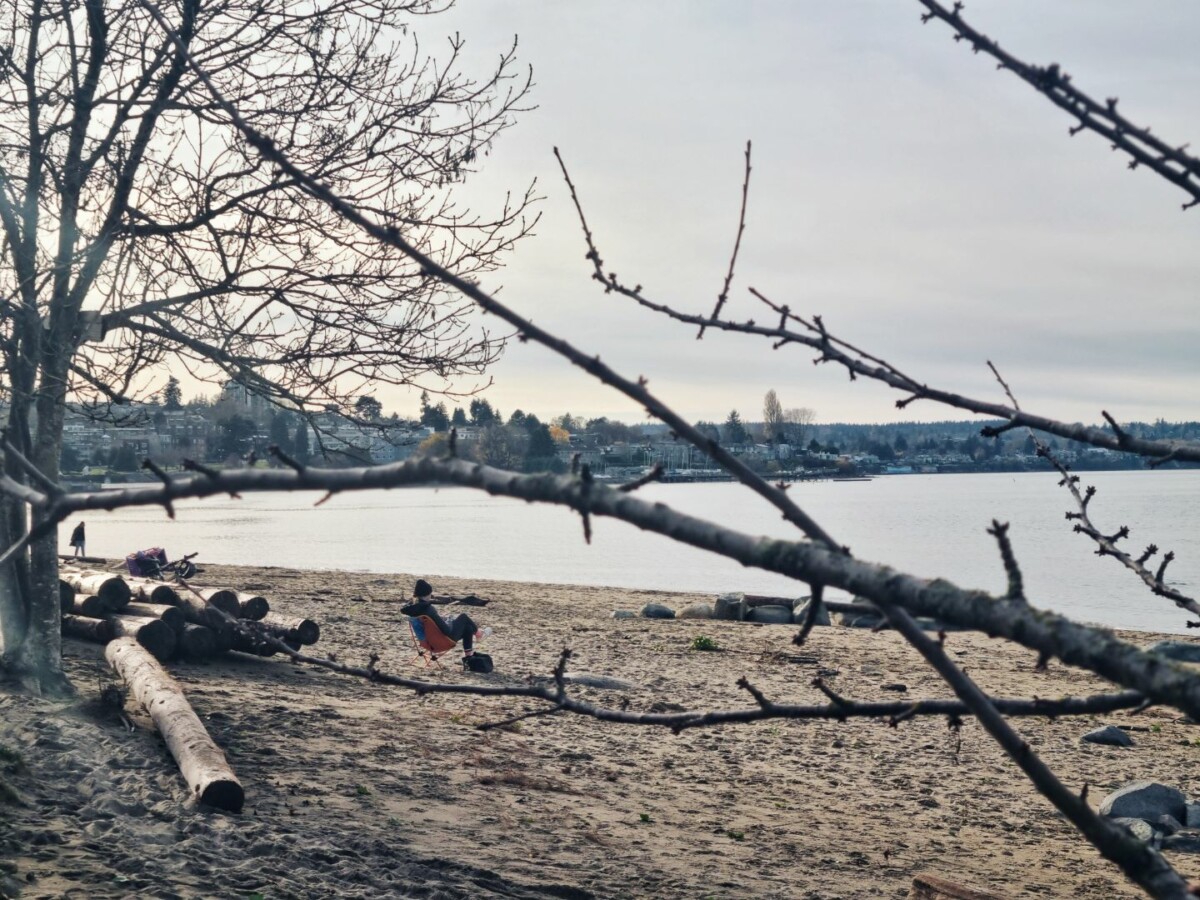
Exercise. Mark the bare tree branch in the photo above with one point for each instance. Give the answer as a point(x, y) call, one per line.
point(1140, 144)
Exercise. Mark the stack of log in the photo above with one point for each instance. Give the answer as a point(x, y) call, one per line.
point(174, 620)
point(142, 622)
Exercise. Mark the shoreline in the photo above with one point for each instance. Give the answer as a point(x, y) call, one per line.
point(356, 790)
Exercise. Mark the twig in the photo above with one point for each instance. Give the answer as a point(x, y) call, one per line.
point(737, 243)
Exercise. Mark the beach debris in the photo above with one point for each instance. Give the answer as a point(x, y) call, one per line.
point(1144, 800)
point(252, 606)
point(113, 588)
point(146, 591)
point(86, 628)
point(1167, 824)
point(66, 596)
point(1159, 815)
point(1180, 651)
point(860, 619)
point(603, 682)
point(624, 614)
point(657, 611)
point(801, 613)
point(197, 641)
point(202, 621)
point(696, 611)
point(300, 631)
point(927, 886)
point(730, 607)
point(172, 615)
point(154, 635)
point(202, 764)
point(1191, 815)
point(1109, 734)
point(771, 615)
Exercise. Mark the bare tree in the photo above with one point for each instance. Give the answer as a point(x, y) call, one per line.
point(141, 230)
point(772, 417)
point(798, 421)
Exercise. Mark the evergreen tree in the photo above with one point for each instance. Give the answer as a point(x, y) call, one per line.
point(300, 447)
point(172, 396)
point(733, 431)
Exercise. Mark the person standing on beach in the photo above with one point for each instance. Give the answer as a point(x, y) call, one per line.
point(460, 628)
point(77, 540)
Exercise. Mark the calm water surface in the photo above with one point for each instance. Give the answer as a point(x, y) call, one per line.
point(924, 524)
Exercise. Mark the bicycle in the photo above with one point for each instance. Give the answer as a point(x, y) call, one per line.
point(152, 563)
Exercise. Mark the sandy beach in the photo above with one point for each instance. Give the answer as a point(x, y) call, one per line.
point(358, 790)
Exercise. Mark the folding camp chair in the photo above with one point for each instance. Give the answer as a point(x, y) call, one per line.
point(428, 641)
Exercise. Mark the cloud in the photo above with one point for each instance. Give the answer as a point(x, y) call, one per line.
point(932, 208)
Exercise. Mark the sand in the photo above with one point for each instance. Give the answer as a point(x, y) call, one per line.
point(357, 790)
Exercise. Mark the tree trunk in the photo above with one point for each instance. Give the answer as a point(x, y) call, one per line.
point(85, 628)
point(252, 606)
point(202, 764)
point(300, 631)
point(172, 615)
point(153, 634)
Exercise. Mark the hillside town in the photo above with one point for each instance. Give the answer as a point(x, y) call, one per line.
point(109, 444)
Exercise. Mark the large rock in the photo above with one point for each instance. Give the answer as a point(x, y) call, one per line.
point(859, 620)
point(730, 607)
point(1192, 811)
point(1184, 842)
point(771, 615)
point(1180, 651)
point(696, 611)
point(657, 611)
point(802, 613)
point(1109, 734)
point(1139, 828)
point(1145, 800)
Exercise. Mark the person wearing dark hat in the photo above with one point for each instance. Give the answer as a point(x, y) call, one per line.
point(460, 628)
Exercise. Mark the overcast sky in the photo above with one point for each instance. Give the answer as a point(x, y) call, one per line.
point(932, 209)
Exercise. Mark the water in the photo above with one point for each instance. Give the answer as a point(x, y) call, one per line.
point(924, 524)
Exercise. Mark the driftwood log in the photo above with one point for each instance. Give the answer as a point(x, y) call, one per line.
point(146, 591)
point(202, 764)
point(298, 631)
point(66, 596)
point(222, 598)
point(90, 605)
point(212, 613)
point(113, 588)
point(154, 634)
point(172, 615)
point(927, 886)
point(242, 642)
point(197, 641)
point(99, 631)
point(252, 607)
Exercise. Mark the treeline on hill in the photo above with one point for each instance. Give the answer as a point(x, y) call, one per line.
point(235, 424)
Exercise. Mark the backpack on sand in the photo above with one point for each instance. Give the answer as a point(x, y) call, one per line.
point(478, 662)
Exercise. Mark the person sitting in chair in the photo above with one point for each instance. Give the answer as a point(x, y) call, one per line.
point(460, 628)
